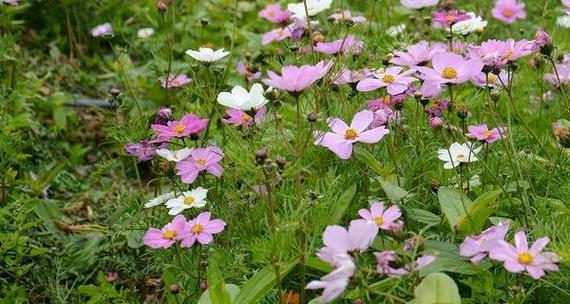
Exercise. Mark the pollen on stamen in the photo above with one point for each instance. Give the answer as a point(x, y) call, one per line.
point(388, 78)
point(449, 73)
point(189, 200)
point(179, 129)
point(170, 234)
point(350, 134)
point(197, 228)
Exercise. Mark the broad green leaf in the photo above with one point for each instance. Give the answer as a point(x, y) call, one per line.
point(393, 191)
point(369, 160)
point(437, 288)
point(342, 204)
point(423, 216)
point(454, 205)
point(479, 211)
point(49, 213)
point(216, 286)
point(231, 289)
point(319, 264)
point(260, 284)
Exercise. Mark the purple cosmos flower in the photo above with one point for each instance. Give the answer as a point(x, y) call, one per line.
point(168, 235)
point(245, 71)
point(295, 79)
point(274, 14)
point(541, 39)
point(520, 257)
point(508, 11)
point(163, 115)
point(241, 118)
point(346, 15)
point(482, 133)
point(418, 4)
point(448, 18)
point(351, 76)
point(477, 247)
point(418, 54)
point(174, 81)
point(342, 138)
point(201, 229)
point(382, 113)
point(349, 45)
point(201, 159)
point(563, 74)
point(395, 81)
point(490, 80)
point(497, 53)
point(189, 124)
point(102, 30)
point(143, 151)
point(387, 261)
point(382, 218)
point(450, 68)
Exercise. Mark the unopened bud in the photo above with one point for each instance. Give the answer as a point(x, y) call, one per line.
point(174, 289)
point(161, 7)
point(495, 95)
point(312, 117)
point(260, 156)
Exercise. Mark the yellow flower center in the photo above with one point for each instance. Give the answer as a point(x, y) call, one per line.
point(449, 73)
point(460, 156)
point(189, 200)
point(488, 133)
point(350, 134)
point(388, 78)
point(197, 228)
point(450, 18)
point(387, 99)
point(378, 220)
point(246, 118)
point(491, 79)
point(508, 55)
point(169, 234)
point(508, 13)
point(525, 258)
point(201, 162)
point(179, 129)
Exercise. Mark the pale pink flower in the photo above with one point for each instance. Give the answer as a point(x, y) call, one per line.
point(388, 259)
point(394, 79)
point(484, 134)
point(351, 76)
point(201, 229)
point(563, 74)
point(346, 15)
point(174, 81)
point(295, 79)
point(418, 4)
point(189, 124)
point(520, 257)
point(143, 151)
point(242, 118)
point(418, 54)
point(342, 138)
point(274, 14)
point(490, 80)
point(348, 45)
point(477, 247)
point(102, 30)
point(450, 68)
point(334, 284)
point(168, 235)
point(246, 71)
point(382, 218)
point(508, 11)
point(201, 159)
point(448, 18)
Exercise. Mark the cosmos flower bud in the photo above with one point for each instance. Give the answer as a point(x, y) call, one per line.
point(114, 92)
point(462, 111)
point(495, 95)
point(204, 286)
point(435, 122)
point(312, 117)
point(386, 59)
point(204, 21)
point(260, 156)
point(281, 162)
point(561, 130)
point(434, 185)
point(161, 7)
point(174, 289)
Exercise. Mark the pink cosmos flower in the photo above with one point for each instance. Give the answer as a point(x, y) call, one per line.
point(566, 3)
point(189, 124)
point(201, 159)
point(143, 151)
point(349, 45)
point(519, 257)
point(278, 34)
point(245, 71)
point(563, 74)
point(162, 116)
point(168, 235)
point(448, 18)
point(482, 133)
point(241, 118)
point(295, 79)
point(450, 68)
point(418, 4)
point(508, 11)
point(382, 218)
point(342, 138)
point(346, 15)
point(490, 80)
point(497, 53)
point(387, 259)
point(201, 229)
point(395, 81)
point(418, 54)
point(11, 2)
point(102, 30)
point(541, 39)
point(334, 284)
point(382, 113)
point(477, 247)
point(174, 81)
point(351, 76)
point(274, 14)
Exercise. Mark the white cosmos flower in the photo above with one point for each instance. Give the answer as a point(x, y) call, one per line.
point(564, 21)
point(474, 24)
point(240, 99)
point(159, 200)
point(174, 156)
point(190, 199)
point(207, 54)
point(145, 32)
point(313, 7)
point(396, 30)
point(457, 154)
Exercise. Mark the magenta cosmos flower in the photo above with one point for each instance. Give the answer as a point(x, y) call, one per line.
point(189, 124)
point(387, 261)
point(349, 45)
point(274, 14)
point(168, 235)
point(450, 68)
point(342, 138)
point(520, 257)
point(242, 118)
point(174, 81)
point(201, 159)
point(418, 54)
point(201, 229)
point(483, 134)
point(295, 79)
point(346, 15)
point(508, 11)
point(449, 18)
point(477, 247)
point(384, 219)
point(418, 4)
point(393, 79)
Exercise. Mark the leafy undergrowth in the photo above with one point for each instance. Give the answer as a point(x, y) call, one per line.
point(414, 201)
